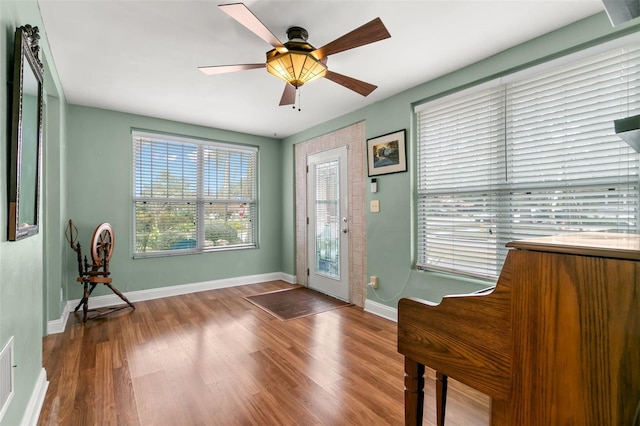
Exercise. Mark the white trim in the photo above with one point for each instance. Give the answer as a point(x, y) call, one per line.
point(58, 326)
point(12, 382)
point(32, 412)
point(381, 310)
point(291, 279)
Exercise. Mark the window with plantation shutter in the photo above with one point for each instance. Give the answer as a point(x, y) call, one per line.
point(191, 195)
point(525, 156)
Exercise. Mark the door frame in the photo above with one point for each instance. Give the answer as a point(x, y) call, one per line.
point(354, 138)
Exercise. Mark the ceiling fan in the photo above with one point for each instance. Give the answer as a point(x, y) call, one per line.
point(296, 61)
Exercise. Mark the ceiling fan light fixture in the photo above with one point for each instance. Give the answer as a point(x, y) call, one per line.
point(297, 62)
point(295, 67)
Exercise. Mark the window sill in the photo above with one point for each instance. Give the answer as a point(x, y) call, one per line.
point(171, 253)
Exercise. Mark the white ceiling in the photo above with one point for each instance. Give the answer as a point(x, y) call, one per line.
point(142, 56)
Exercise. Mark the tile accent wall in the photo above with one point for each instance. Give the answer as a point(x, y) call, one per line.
point(353, 137)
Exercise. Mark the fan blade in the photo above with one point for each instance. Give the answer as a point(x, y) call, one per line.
point(289, 95)
point(351, 83)
point(243, 15)
point(221, 69)
point(368, 33)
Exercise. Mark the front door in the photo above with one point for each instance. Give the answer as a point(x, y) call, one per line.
point(328, 223)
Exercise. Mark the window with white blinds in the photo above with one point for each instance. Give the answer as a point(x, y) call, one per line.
point(523, 157)
point(191, 195)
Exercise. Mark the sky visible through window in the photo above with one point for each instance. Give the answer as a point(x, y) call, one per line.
point(173, 168)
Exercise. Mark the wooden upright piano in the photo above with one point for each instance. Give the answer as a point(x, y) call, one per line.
point(557, 342)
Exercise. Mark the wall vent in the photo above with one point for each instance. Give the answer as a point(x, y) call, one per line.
point(6, 377)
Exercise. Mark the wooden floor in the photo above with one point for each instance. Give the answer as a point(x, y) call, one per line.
point(213, 358)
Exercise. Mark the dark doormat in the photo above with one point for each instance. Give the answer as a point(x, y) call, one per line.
point(295, 302)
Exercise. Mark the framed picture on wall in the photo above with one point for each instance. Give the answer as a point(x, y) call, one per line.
point(387, 153)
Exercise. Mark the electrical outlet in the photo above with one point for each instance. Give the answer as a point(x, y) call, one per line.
point(373, 282)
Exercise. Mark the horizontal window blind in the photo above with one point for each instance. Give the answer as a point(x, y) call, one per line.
point(462, 142)
point(532, 157)
point(229, 196)
point(192, 195)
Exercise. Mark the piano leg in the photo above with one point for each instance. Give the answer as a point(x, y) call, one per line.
point(441, 397)
point(413, 392)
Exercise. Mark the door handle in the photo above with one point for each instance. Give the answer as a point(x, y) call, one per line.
point(345, 230)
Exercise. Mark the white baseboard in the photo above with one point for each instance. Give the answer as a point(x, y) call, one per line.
point(381, 310)
point(31, 414)
point(291, 279)
point(58, 325)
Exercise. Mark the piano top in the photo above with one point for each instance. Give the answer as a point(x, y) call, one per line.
point(601, 244)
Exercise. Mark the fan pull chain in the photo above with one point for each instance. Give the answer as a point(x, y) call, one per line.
point(294, 102)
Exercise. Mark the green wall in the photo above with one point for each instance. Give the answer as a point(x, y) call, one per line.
point(22, 285)
point(100, 175)
point(390, 233)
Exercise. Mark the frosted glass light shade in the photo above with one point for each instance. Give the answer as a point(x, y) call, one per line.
point(296, 68)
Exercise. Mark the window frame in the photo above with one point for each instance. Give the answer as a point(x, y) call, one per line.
point(200, 200)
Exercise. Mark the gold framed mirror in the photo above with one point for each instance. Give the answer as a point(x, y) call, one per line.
point(26, 135)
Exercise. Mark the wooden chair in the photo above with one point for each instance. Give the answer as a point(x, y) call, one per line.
point(97, 272)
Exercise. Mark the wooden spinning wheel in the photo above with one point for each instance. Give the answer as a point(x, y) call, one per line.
point(97, 272)
point(102, 243)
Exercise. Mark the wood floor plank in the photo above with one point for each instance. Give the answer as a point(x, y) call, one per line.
point(157, 405)
point(213, 358)
point(125, 398)
point(356, 410)
point(84, 410)
point(106, 413)
point(231, 408)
